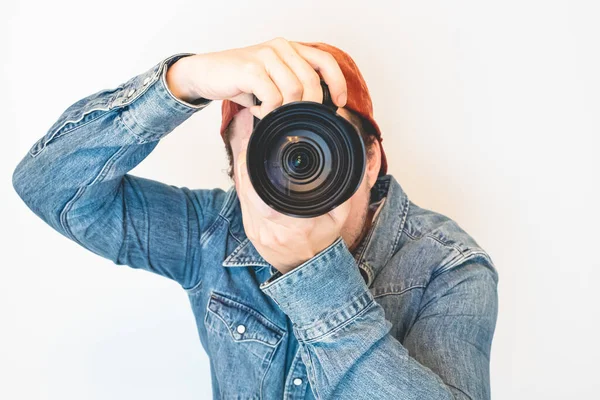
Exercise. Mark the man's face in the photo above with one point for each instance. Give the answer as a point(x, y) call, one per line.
point(359, 202)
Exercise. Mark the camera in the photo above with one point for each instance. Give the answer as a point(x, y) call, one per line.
point(304, 159)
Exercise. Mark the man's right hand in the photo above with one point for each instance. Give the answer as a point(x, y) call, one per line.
point(277, 72)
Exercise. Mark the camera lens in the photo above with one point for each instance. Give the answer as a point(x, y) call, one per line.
point(304, 160)
point(300, 159)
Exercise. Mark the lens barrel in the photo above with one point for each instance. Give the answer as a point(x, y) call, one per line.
point(304, 159)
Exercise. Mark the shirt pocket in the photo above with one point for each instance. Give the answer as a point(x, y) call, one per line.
point(241, 345)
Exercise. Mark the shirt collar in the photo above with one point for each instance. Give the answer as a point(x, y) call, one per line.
point(375, 250)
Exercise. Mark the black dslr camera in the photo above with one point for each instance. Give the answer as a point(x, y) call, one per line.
point(304, 159)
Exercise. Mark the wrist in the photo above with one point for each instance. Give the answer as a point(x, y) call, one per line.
point(322, 294)
point(178, 82)
point(294, 261)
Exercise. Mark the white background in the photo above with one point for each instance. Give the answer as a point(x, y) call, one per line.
point(490, 114)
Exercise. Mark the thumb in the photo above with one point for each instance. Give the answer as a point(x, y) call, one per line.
point(340, 213)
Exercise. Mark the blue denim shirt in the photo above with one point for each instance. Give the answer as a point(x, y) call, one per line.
point(409, 315)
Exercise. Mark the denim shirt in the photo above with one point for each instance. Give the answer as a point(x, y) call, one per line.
point(409, 315)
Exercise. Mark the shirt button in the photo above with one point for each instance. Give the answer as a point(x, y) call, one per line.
point(146, 81)
point(131, 92)
point(297, 381)
point(241, 329)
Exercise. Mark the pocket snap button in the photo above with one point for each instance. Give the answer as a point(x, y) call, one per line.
point(241, 329)
point(297, 381)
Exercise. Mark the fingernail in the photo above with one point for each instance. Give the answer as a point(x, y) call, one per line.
point(342, 99)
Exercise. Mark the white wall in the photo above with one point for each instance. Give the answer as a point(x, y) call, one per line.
point(490, 113)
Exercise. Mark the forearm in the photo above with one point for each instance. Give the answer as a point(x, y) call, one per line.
point(82, 159)
point(346, 345)
point(361, 360)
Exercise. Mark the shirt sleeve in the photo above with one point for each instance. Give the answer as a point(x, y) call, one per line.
point(345, 340)
point(75, 178)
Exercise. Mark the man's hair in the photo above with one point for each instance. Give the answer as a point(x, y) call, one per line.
point(364, 128)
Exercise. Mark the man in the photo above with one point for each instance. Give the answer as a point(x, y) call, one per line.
point(378, 299)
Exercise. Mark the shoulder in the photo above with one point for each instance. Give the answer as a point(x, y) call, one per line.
point(224, 208)
point(209, 204)
point(423, 225)
point(431, 244)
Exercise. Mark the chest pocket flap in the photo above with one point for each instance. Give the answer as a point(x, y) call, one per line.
point(241, 322)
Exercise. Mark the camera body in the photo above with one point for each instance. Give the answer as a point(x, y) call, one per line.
point(304, 159)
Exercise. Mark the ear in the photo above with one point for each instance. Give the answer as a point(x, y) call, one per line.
point(373, 163)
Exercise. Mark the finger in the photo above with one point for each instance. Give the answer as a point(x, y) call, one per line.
point(260, 84)
point(330, 70)
point(340, 214)
point(287, 82)
point(244, 99)
point(310, 80)
point(255, 111)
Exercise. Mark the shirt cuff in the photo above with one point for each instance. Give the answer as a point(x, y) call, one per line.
point(151, 110)
point(322, 294)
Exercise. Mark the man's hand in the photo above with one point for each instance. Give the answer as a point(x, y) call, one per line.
point(277, 72)
point(284, 242)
